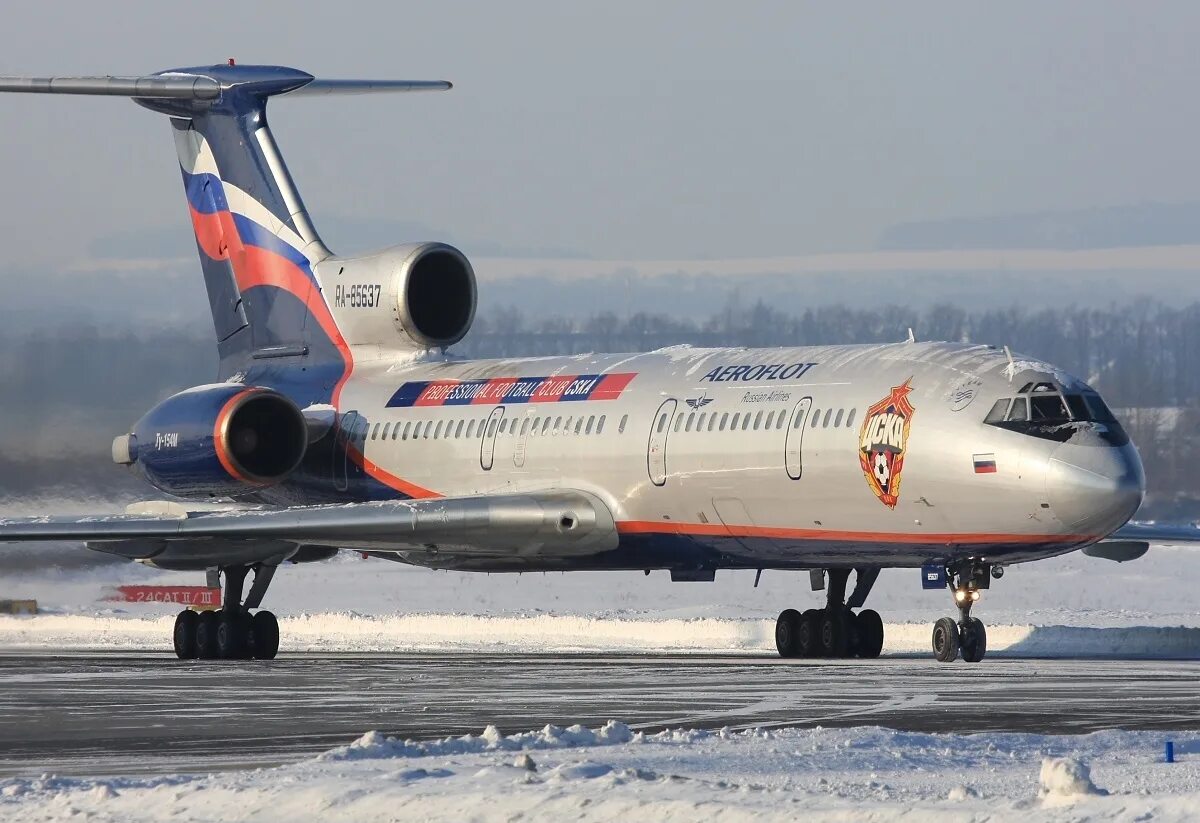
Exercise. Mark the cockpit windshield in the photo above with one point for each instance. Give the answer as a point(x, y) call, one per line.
point(1043, 409)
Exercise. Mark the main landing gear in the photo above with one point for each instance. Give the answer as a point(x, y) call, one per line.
point(231, 633)
point(836, 630)
point(966, 637)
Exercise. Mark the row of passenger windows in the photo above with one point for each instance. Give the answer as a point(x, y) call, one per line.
point(458, 429)
point(720, 421)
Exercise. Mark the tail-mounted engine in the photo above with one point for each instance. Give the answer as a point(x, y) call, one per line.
point(416, 296)
point(219, 440)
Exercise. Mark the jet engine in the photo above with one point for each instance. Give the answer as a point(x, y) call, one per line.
point(219, 440)
point(417, 296)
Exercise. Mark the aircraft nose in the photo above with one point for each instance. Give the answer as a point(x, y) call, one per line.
point(1094, 489)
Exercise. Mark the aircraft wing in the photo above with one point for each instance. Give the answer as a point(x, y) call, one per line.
point(434, 531)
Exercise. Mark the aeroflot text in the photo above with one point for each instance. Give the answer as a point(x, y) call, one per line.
point(767, 371)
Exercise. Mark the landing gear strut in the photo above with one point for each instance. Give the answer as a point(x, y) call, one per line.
point(968, 637)
point(232, 632)
point(836, 630)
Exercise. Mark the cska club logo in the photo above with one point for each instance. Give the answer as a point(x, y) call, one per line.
point(883, 441)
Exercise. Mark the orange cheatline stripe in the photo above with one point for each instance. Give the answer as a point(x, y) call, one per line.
point(387, 478)
point(715, 530)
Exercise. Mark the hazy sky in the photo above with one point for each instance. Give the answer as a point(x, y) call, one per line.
point(628, 129)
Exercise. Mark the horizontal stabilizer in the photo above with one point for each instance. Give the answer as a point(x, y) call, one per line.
point(208, 84)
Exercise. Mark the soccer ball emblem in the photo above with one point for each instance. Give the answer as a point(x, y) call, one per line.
point(883, 473)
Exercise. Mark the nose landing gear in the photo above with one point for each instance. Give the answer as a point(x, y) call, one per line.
point(967, 636)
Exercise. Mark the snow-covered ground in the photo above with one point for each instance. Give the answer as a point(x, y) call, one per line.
point(1072, 605)
point(612, 773)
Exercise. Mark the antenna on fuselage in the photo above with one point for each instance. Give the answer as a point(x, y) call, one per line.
point(1012, 367)
point(912, 338)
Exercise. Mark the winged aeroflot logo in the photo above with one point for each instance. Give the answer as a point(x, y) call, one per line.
point(883, 443)
point(699, 402)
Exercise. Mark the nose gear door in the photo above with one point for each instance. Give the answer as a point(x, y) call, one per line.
point(793, 444)
point(656, 447)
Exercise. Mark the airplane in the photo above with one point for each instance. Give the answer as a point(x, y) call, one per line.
point(339, 420)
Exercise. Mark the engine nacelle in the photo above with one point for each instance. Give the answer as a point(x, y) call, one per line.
point(416, 296)
point(224, 439)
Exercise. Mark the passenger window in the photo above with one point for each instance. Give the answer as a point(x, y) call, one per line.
point(579, 424)
point(557, 424)
point(999, 411)
point(724, 420)
point(387, 428)
point(837, 420)
point(438, 431)
point(567, 425)
point(825, 424)
point(850, 418)
point(396, 431)
point(757, 420)
point(746, 421)
point(691, 418)
point(734, 424)
point(816, 418)
point(525, 427)
point(590, 422)
point(678, 421)
point(470, 429)
point(407, 426)
point(770, 420)
point(491, 429)
point(375, 432)
point(712, 421)
point(458, 430)
point(662, 421)
point(546, 425)
point(1019, 412)
point(700, 421)
point(600, 425)
point(624, 420)
point(798, 420)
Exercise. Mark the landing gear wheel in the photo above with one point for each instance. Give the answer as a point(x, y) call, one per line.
point(870, 633)
point(231, 635)
point(808, 635)
point(973, 640)
point(265, 629)
point(835, 633)
point(206, 635)
point(787, 627)
point(945, 640)
point(185, 634)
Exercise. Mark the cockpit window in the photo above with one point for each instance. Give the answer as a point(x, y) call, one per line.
point(1049, 408)
point(1044, 410)
point(998, 412)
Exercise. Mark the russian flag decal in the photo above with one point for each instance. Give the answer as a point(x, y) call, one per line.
point(984, 463)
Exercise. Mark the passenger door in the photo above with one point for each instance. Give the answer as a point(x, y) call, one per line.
point(793, 444)
point(656, 446)
point(487, 447)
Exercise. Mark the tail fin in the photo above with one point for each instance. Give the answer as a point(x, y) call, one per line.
point(258, 248)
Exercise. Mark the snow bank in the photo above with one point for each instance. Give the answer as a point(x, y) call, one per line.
point(609, 773)
point(569, 633)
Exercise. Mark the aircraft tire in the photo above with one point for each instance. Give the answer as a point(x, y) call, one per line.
point(266, 635)
point(184, 635)
point(206, 635)
point(787, 629)
point(231, 635)
point(945, 640)
point(835, 633)
point(973, 642)
point(870, 633)
point(809, 633)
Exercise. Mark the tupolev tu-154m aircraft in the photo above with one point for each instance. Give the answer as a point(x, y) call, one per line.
point(338, 421)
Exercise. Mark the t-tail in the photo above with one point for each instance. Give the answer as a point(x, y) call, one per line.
point(277, 294)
